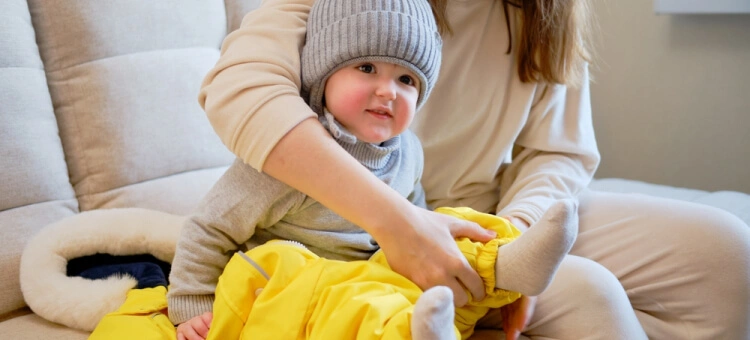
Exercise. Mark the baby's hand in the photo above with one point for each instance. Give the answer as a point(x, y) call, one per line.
point(195, 328)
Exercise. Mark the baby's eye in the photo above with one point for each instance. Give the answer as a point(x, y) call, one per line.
point(408, 80)
point(367, 68)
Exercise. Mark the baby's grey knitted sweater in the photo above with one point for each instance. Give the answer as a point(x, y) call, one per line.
point(246, 208)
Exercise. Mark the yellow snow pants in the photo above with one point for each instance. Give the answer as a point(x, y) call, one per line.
point(139, 317)
point(281, 290)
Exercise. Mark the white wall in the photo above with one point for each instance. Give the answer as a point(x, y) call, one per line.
point(671, 97)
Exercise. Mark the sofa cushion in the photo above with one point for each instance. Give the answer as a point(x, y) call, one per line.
point(735, 202)
point(159, 194)
point(72, 33)
point(33, 327)
point(18, 226)
point(124, 81)
point(34, 186)
point(33, 166)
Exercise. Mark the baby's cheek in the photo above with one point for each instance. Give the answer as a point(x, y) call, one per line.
point(352, 100)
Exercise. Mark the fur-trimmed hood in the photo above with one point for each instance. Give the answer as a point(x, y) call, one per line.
point(81, 303)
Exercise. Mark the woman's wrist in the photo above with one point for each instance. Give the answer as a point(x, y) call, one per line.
point(400, 213)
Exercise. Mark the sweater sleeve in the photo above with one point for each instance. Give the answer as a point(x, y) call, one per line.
point(251, 96)
point(555, 155)
point(241, 201)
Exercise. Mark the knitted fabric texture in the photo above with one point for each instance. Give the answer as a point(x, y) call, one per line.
point(346, 32)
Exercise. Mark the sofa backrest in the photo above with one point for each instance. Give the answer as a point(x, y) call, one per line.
point(124, 86)
point(99, 110)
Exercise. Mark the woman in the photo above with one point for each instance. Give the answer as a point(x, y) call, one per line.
point(506, 133)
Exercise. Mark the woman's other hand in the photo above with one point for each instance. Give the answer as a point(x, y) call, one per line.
point(517, 315)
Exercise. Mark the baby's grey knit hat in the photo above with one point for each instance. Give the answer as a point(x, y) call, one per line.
point(346, 32)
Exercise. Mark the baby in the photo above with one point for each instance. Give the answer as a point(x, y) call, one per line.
point(367, 67)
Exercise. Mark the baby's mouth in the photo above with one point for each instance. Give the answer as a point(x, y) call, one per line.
point(377, 112)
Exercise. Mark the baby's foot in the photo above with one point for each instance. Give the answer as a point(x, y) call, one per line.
point(528, 264)
point(433, 315)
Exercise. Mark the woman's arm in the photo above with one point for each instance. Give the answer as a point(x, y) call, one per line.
point(252, 99)
point(251, 96)
point(555, 156)
point(418, 243)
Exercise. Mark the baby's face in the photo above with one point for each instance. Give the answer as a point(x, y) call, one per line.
point(375, 101)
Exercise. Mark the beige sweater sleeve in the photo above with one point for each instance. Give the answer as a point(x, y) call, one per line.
point(252, 96)
point(554, 157)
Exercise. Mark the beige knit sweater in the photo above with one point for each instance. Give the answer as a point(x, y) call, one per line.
point(491, 142)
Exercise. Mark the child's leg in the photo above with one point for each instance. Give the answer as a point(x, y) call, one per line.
point(528, 264)
point(433, 315)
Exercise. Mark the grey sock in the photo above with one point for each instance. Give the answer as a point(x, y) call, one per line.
point(433, 315)
point(528, 264)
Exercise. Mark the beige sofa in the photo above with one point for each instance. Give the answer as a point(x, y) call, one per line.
point(98, 110)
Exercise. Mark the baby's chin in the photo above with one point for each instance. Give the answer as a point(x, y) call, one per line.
point(375, 138)
point(377, 141)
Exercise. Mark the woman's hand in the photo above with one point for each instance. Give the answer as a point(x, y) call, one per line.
point(427, 253)
point(517, 315)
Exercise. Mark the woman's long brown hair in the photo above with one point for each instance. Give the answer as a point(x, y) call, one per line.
point(555, 37)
